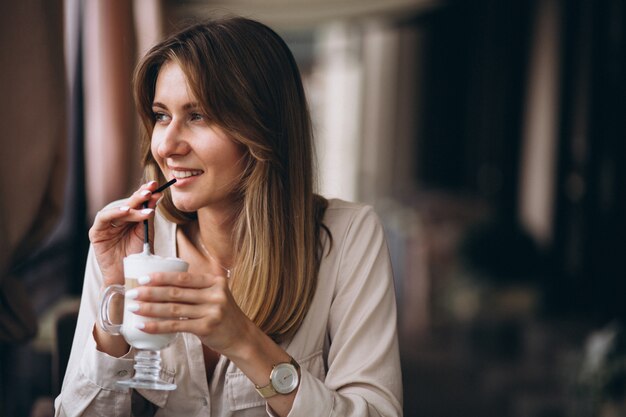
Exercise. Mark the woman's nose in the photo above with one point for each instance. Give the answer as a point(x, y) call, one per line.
point(172, 142)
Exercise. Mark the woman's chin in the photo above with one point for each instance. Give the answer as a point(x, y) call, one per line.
point(186, 206)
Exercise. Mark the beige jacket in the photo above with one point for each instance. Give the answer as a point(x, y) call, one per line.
point(347, 345)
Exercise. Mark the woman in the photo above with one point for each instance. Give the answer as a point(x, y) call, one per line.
point(277, 275)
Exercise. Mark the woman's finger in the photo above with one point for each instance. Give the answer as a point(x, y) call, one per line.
point(167, 310)
point(166, 326)
point(183, 280)
point(144, 195)
point(186, 325)
point(138, 207)
point(117, 217)
point(173, 294)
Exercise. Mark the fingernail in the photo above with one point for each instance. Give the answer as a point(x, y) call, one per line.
point(124, 208)
point(132, 307)
point(151, 183)
point(143, 280)
point(132, 294)
point(147, 211)
point(140, 325)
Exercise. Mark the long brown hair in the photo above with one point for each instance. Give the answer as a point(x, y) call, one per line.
point(248, 84)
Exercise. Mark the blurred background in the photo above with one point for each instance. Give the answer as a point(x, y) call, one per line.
point(489, 135)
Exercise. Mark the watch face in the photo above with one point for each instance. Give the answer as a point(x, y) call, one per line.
point(285, 378)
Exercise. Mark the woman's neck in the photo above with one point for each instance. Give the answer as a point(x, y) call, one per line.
point(214, 235)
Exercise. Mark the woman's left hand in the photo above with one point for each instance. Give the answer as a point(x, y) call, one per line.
point(210, 312)
point(201, 304)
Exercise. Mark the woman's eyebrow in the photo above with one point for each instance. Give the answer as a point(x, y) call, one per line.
point(191, 106)
point(187, 106)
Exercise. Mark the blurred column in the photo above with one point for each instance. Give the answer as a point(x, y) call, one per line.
point(538, 164)
point(148, 23)
point(380, 107)
point(407, 118)
point(339, 115)
point(110, 135)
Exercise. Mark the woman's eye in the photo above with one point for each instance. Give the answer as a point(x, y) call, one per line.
point(197, 116)
point(159, 117)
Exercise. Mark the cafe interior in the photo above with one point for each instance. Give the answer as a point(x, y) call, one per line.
point(488, 135)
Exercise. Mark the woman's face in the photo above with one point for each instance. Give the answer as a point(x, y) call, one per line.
point(205, 161)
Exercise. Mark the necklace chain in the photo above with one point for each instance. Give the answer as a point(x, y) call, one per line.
point(204, 249)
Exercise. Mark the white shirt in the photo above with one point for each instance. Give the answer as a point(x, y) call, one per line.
point(347, 345)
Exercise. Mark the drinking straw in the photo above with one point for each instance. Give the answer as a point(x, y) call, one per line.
point(146, 235)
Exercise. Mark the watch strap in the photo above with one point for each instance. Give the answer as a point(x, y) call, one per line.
point(266, 391)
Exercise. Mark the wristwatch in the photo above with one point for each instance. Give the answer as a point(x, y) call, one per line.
point(284, 379)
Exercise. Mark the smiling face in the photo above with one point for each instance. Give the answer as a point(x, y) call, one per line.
point(206, 162)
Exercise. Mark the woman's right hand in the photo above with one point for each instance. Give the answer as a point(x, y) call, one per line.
point(118, 232)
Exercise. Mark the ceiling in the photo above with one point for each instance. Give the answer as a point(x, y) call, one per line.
point(297, 14)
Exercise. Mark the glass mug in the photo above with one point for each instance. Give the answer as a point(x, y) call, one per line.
point(148, 356)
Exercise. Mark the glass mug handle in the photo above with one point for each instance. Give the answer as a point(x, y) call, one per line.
point(103, 315)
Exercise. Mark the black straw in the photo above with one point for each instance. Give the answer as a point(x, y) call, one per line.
point(146, 234)
point(164, 186)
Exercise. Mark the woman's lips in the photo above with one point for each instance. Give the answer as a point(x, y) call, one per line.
point(185, 176)
point(182, 174)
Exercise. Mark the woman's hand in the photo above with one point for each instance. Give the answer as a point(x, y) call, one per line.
point(201, 304)
point(118, 232)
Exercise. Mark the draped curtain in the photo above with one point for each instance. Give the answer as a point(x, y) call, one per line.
point(69, 146)
point(33, 138)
